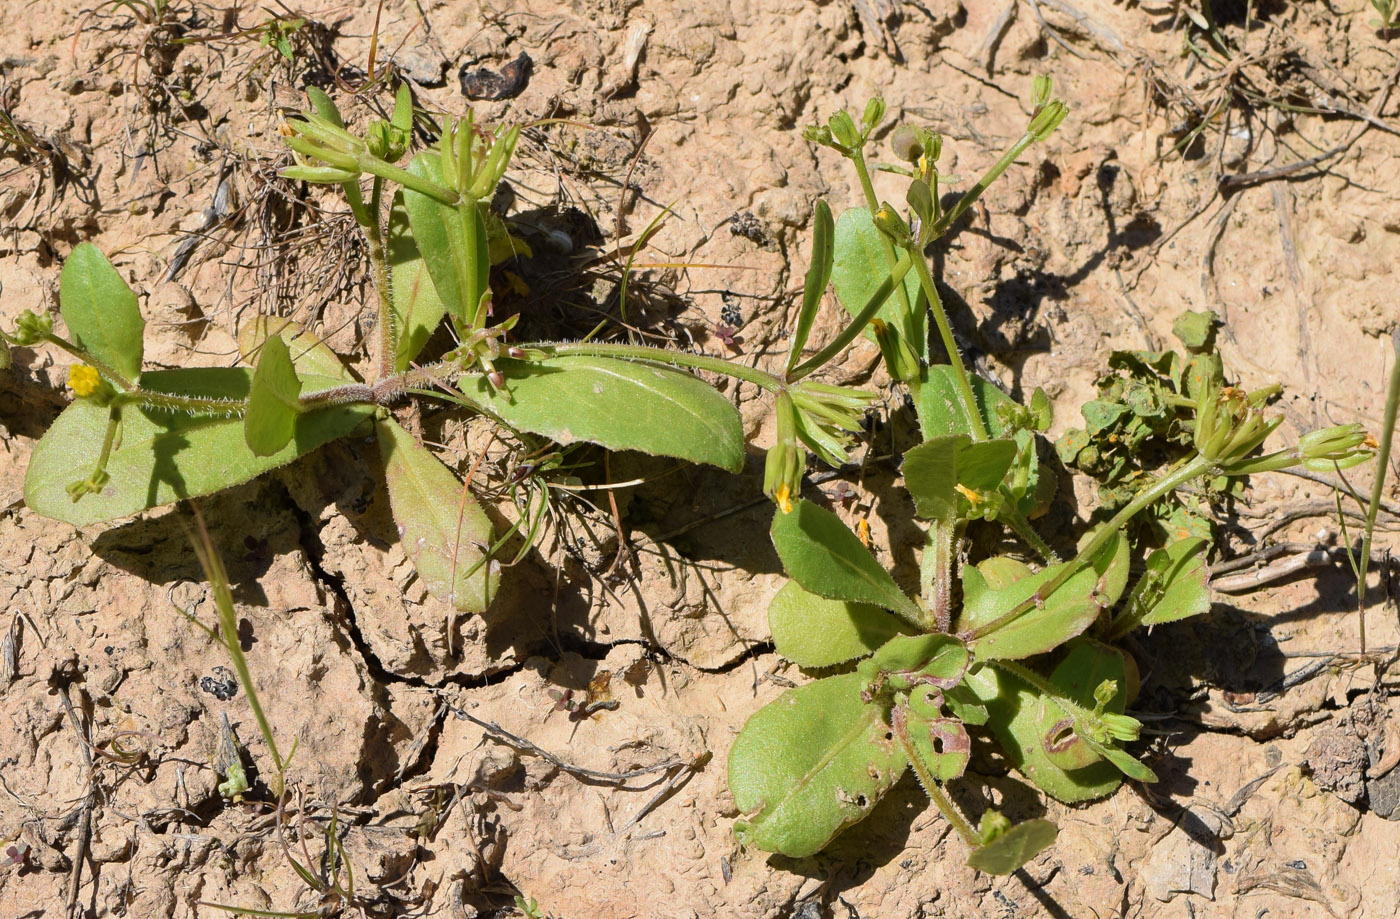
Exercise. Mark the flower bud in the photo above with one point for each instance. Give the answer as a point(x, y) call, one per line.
point(386, 141)
point(874, 114)
point(782, 469)
point(1047, 120)
point(900, 359)
point(1345, 445)
point(31, 329)
point(819, 135)
point(843, 129)
point(888, 221)
point(1041, 87)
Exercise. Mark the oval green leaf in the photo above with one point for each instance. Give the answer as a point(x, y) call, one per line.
point(809, 764)
point(621, 405)
point(442, 527)
point(1065, 613)
point(417, 308)
point(1014, 848)
point(812, 631)
point(274, 401)
point(163, 457)
point(859, 268)
point(826, 558)
point(100, 310)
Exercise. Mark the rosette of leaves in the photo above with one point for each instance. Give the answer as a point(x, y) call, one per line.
point(1141, 422)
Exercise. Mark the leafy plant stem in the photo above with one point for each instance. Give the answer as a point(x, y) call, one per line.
point(858, 324)
point(945, 332)
point(1182, 473)
point(380, 169)
point(972, 194)
point(936, 573)
point(752, 375)
point(935, 792)
point(891, 257)
point(190, 405)
point(1392, 405)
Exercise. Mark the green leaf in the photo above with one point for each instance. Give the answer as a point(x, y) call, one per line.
point(459, 268)
point(100, 310)
point(321, 102)
point(1065, 613)
point(274, 401)
point(858, 270)
point(163, 457)
point(621, 405)
point(818, 276)
point(417, 309)
point(941, 409)
point(1087, 664)
point(1014, 848)
point(310, 356)
point(441, 526)
point(825, 557)
point(1196, 329)
point(812, 631)
point(930, 472)
point(1014, 710)
point(1173, 587)
point(809, 764)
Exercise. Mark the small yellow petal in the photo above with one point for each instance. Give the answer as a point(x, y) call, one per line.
point(783, 495)
point(83, 380)
point(969, 494)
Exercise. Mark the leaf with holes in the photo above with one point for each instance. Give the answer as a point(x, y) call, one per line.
point(809, 764)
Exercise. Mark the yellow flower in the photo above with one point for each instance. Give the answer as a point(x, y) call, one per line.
point(83, 380)
point(783, 495)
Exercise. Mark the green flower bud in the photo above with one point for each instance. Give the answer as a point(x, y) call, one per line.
point(900, 359)
point(819, 135)
point(387, 141)
point(1345, 443)
point(1047, 120)
point(31, 329)
point(782, 470)
point(888, 221)
point(1041, 87)
point(843, 129)
point(874, 114)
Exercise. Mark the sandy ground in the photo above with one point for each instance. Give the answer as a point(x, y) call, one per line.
point(454, 781)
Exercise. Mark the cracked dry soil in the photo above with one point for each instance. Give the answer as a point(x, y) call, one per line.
point(454, 779)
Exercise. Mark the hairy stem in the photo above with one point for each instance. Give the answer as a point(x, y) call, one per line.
point(972, 194)
point(1173, 479)
point(935, 792)
point(945, 332)
point(857, 324)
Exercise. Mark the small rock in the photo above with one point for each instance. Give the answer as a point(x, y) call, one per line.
point(423, 66)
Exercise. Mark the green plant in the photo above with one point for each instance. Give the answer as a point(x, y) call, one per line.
point(1388, 18)
point(994, 648)
point(136, 438)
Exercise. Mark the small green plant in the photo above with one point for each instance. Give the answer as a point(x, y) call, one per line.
point(995, 648)
point(1388, 19)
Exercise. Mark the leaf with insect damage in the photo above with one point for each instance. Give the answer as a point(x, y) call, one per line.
point(443, 529)
point(809, 764)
